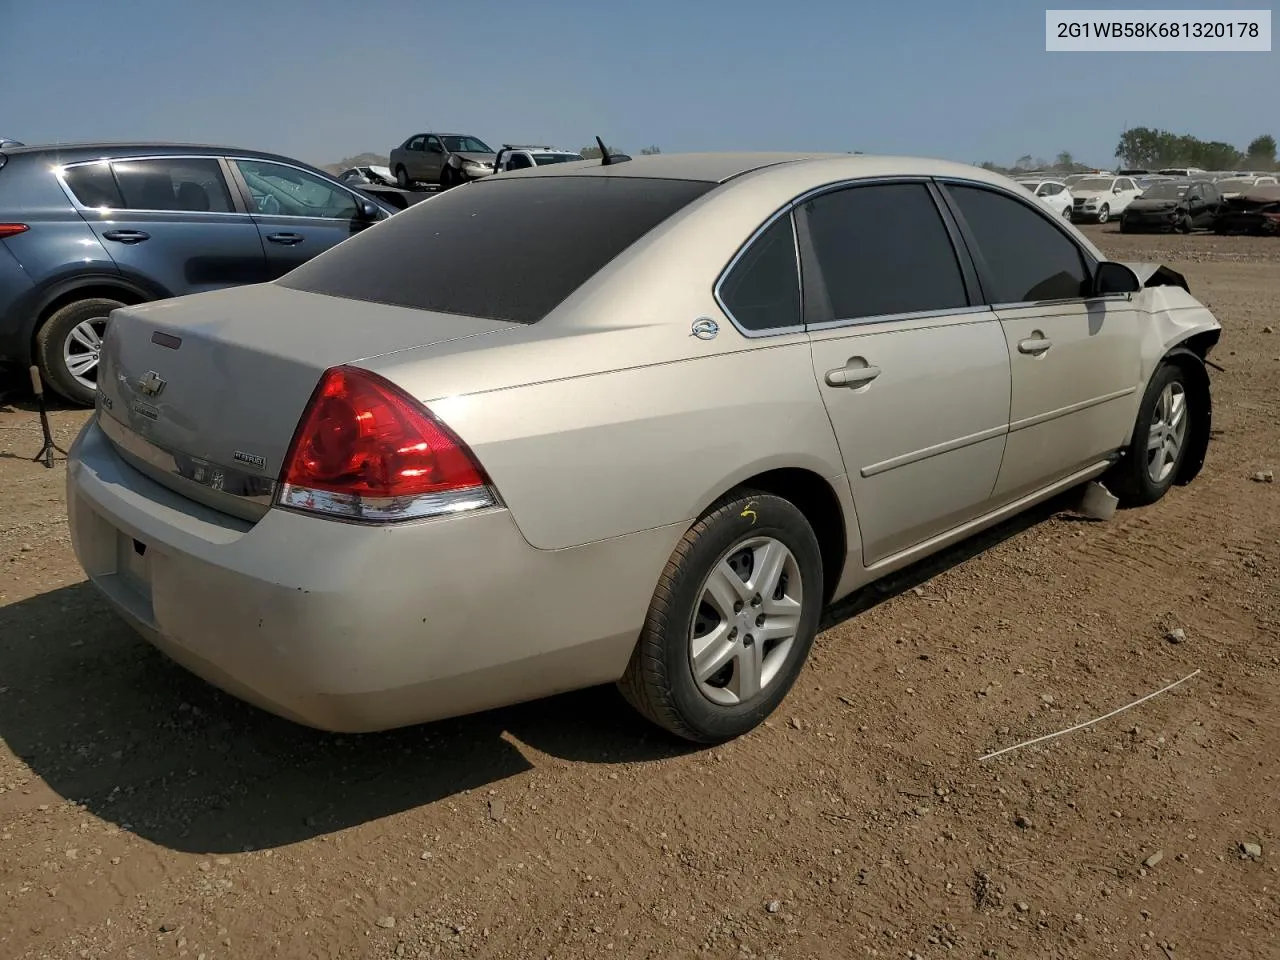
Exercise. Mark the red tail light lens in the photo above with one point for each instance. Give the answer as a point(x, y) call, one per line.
point(366, 450)
point(12, 229)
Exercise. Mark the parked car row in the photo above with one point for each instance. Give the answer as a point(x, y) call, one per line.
point(445, 160)
point(88, 228)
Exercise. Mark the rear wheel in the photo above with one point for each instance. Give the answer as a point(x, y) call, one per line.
point(1066, 212)
point(68, 346)
point(1160, 440)
point(402, 178)
point(731, 622)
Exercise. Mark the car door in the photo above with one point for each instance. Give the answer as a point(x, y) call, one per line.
point(914, 376)
point(170, 223)
point(1205, 203)
point(298, 214)
point(1075, 358)
point(1128, 192)
point(432, 160)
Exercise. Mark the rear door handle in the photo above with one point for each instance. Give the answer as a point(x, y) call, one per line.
point(126, 236)
point(288, 239)
point(1035, 345)
point(851, 376)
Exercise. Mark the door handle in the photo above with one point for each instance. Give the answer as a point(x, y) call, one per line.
point(851, 376)
point(126, 236)
point(1035, 345)
point(288, 239)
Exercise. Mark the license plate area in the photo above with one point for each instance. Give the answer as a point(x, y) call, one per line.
point(133, 564)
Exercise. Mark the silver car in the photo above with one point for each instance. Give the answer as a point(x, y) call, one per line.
point(439, 468)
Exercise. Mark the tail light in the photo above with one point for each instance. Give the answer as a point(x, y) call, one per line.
point(12, 229)
point(366, 450)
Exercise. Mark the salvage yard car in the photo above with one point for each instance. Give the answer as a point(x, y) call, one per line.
point(87, 228)
point(1179, 205)
point(440, 468)
point(442, 159)
point(1101, 198)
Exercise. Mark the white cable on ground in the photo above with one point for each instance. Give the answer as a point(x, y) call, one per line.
point(1089, 723)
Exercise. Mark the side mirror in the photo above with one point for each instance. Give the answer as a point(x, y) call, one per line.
point(1112, 278)
point(366, 210)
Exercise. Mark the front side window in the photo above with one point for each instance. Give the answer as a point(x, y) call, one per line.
point(185, 184)
point(762, 290)
point(1027, 257)
point(279, 190)
point(882, 250)
point(505, 248)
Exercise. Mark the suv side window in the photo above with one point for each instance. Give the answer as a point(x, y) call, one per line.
point(1027, 257)
point(182, 184)
point(519, 161)
point(93, 185)
point(881, 250)
point(279, 190)
point(762, 290)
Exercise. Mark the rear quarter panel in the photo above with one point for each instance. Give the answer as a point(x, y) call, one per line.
point(599, 456)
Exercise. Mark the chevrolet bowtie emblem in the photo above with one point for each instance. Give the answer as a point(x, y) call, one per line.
point(151, 383)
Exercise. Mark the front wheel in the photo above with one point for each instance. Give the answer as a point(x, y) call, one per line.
point(1104, 214)
point(731, 621)
point(68, 346)
point(1161, 436)
point(1184, 224)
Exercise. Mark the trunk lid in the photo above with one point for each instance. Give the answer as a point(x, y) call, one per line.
point(203, 393)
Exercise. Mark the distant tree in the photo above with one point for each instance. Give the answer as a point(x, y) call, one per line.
point(648, 151)
point(1261, 151)
point(359, 160)
point(1064, 161)
point(593, 152)
point(1149, 149)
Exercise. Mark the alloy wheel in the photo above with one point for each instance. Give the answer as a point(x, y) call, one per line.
point(81, 351)
point(1168, 432)
point(746, 622)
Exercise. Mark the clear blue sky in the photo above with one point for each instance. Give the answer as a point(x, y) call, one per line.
point(319, 79)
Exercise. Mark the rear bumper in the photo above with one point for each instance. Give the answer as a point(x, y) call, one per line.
point(352, 628)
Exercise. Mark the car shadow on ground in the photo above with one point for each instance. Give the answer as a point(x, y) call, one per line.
point(106, 721)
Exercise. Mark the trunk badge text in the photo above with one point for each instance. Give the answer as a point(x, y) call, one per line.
point(151, 383)
point(250, 458)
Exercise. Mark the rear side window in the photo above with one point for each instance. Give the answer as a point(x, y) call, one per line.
point(762, 290)
point(93, 185)
point(1027, 257)
point(499, 249)
point(882, 250)
point(182, 184)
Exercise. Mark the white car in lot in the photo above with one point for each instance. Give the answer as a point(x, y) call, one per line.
point(1101, 198)
point(1054, 194)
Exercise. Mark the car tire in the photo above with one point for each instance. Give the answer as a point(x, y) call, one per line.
point(448, 178)
point(1165, 408)
point(1104, 213)
point(694, 605)
point(1066, 213)
point(1184, 224)
point(1124, 226)
point(402, 179)
point(74, 330)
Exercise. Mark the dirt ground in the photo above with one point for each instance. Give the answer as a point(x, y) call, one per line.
point(144, 814)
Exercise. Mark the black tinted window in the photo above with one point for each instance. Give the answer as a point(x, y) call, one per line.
point(93, 185)
point(504, 249)
point(172, 183)
point(882, 250)
point(762, 291)
point(1027, 257)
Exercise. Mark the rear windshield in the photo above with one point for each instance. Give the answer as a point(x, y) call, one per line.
point(501, 250)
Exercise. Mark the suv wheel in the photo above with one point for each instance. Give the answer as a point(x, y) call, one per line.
point(68, 346)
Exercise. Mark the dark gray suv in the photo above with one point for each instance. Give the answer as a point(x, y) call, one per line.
point(87, 228)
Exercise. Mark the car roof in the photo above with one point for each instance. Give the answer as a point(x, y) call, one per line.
point(108, 150)
point(721, 167)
